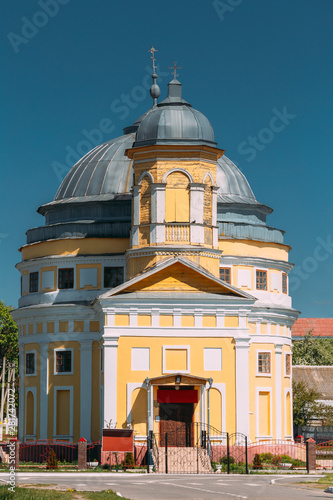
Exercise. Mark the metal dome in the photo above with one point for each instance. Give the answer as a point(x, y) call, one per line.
point(174, 121)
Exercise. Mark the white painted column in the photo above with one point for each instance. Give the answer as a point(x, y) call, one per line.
point(158, 212)
point(196, 202)
point(44, 389)
point(242, 385)
point(278, 390)
point(85, 388)
point(110, 380)
point(136, 215)
point(214, 216)
point(21, 394)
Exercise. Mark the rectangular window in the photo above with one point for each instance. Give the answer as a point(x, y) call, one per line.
point(63, 361)
point(261, 280)
point(288, 364)
point(225, 274)
point(264, 362)
point(113, 276)
point(284, 283)
point(30, 363)
point(33, 282)
point(66, 278)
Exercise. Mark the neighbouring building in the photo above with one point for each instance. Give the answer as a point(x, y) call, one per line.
point(154, 282)
point(319, 327)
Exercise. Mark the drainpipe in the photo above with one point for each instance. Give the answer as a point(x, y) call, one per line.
point(210, 381)
point(147, 382)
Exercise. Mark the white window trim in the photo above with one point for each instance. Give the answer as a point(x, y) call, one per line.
point(285, 365)
point(69, 388)
point(136, 369)
point(55, 361)
point(167, 347)
point(25, 364)
point(286, 391)
point(259, 374)
point(210, 369)
point(258, 390)
point(33, 390)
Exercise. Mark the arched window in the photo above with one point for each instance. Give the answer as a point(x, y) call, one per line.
point(145, 201)
point(177, 198)
point(208, 205)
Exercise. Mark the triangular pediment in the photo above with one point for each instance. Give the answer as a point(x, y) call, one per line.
point(177, 275)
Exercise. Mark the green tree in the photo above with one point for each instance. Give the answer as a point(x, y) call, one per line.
point(306, 406)
point(313, 351)
point(8, 334)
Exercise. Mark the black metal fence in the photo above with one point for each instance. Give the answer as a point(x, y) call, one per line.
point(196, 448)
point(39, 452)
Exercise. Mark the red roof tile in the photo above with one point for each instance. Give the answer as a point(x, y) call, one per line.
point(321, 327)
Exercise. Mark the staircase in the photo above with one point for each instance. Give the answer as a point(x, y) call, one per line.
point(182, 460)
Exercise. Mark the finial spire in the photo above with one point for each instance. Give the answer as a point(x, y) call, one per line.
point(174, 68)
point(155, 91)
point(152, 51)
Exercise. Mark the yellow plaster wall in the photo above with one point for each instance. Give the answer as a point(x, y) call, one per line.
point(139, 412)
point(94, 326)
point(30, 414)
point(215, 409)
point(266, 381)
point(72, 246)
point(176, 360)
point(121, 319)
point(231, 321)
point(208, 321)
point(65, 380)
point(63, 326)
point(144, 320)
point(166, 320)
point(187, 320)
point(63, 415)
point(251, 248)
point(34, 381)
point(125, 375)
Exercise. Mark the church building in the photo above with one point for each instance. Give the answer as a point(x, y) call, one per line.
point(155, 292)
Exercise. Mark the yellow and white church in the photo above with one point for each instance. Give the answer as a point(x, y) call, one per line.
point(155, 271)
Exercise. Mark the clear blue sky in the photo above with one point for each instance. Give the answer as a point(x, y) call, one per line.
point(242, 62)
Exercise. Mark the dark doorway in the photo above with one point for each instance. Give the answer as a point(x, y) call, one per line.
point(176, 420)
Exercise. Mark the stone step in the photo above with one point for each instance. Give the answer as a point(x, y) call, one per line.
point(182, 459)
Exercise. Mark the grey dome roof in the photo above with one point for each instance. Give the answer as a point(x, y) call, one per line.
point(174, 121)
point(106, 173)
point(101, 174)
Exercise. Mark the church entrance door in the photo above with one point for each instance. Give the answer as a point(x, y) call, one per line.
point(176, 419)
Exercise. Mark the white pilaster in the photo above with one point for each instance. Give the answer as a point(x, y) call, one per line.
point(85, 388)
point(242, 385)
point(158, 203)
point(214, 204)
point(278, 390)
point(136, 205)
point(21, 394)
point(110, 380)
point(196, 202)
point(44, 389)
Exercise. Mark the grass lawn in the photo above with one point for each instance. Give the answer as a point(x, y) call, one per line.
point(44, 494)
point(322, 483)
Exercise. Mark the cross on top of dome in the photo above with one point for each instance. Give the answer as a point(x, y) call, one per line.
point(174, 68)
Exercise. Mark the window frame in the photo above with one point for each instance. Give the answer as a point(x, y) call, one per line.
point(34, 282)
point(62, 349)
point(286, 374)
point(264, 374)
point(257, 277)
point(65, 269)
point(225, 269)
point(34, 352)
point(113, 267)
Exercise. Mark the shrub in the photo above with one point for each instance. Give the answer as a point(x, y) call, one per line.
point(52, 462)
point(129, 461)
point(257, 461)
point(281, 459)
point(224, 460)
point(266, 457)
